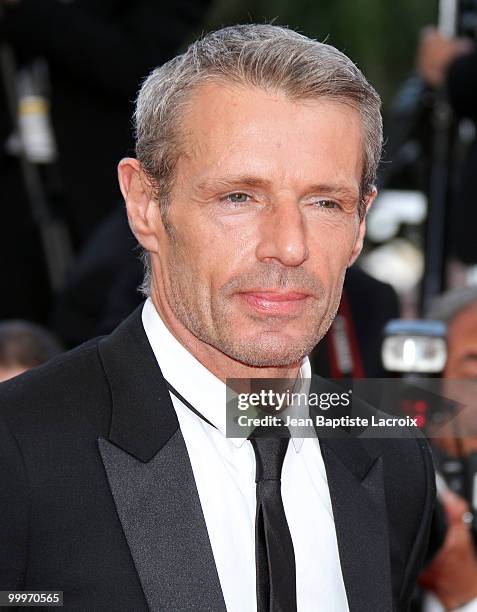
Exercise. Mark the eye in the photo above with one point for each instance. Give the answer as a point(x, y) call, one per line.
point(237, 197)
point(328, 204)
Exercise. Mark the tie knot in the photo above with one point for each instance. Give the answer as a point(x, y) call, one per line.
point(270, 446)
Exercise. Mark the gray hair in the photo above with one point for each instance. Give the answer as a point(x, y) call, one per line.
point(267, 56)
point(447, 306)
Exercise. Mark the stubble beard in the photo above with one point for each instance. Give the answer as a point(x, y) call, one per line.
point(211, 321)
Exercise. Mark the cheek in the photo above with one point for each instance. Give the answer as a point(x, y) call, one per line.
point(226, 251)
point(330, 253)
point(205, 263)
point(332, 243)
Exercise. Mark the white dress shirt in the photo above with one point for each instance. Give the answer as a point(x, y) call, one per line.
point(224, 471)
point(432, 604)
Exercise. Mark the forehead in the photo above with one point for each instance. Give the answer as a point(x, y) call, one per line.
point(463, 329)
point(229, 125)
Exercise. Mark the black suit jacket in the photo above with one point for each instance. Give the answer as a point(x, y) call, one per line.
point(98, 498)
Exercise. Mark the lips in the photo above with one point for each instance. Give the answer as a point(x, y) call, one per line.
point(275, 303)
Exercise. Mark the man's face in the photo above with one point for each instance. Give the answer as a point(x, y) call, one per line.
point(264, 222)
point(460, 377)
point(462, 345)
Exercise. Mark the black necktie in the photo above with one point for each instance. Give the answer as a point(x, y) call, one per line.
point(274, 555)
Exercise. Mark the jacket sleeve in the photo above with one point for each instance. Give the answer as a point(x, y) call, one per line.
point(14, 501)
point(416, 558)
point(462, 85)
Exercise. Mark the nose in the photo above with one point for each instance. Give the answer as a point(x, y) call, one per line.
point(283, 236)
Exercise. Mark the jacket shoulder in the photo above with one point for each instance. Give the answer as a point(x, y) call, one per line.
point(68, 385)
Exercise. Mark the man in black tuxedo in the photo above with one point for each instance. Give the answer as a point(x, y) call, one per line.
point(256, 157)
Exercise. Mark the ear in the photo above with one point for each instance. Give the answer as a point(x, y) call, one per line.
point(358, 245)
point(142, 209)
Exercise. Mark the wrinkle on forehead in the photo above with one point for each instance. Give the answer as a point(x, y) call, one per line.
point(191, 130)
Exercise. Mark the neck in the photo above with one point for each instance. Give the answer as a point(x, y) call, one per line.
point(219, 364)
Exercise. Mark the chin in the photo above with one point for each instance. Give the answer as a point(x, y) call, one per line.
point(269, 350)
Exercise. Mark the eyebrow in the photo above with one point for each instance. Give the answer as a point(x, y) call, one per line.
point(256, 182)
point(472, 356)
point(226, 183)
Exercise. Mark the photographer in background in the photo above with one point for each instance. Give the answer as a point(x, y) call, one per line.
point(452, 574)
point(442, 61)
point(452, 64)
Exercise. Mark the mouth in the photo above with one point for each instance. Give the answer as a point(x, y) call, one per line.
point(275, 303)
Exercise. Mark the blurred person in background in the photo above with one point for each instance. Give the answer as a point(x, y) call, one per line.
point(451, 65)
point(24, 345)
point(451, 577)
point(352, 346)
point(458, 309)
point(96, 54)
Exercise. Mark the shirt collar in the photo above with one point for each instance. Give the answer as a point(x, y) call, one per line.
point(194, 381)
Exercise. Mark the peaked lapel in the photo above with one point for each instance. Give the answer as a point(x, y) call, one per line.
point(356, 485)
point(151, 479)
